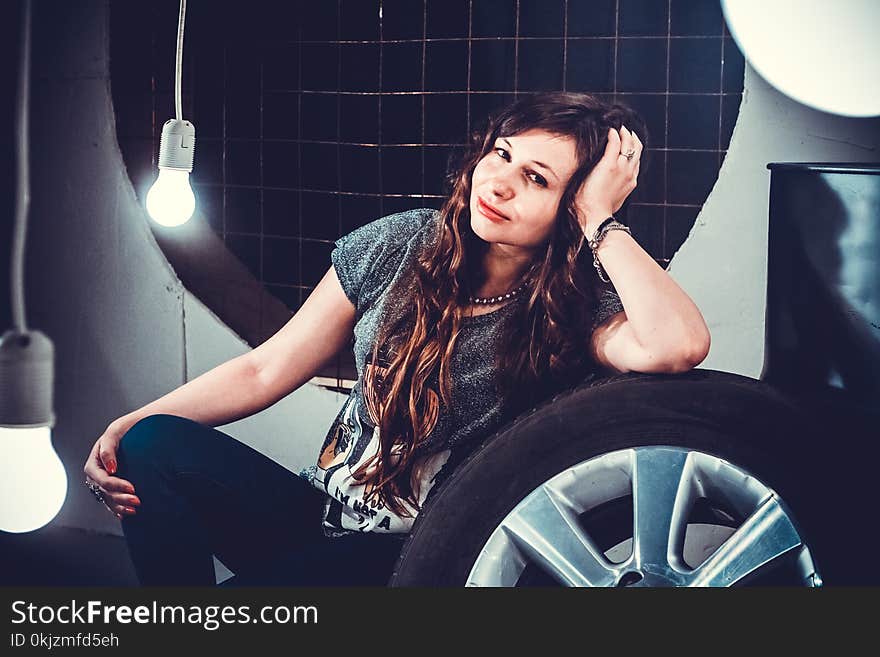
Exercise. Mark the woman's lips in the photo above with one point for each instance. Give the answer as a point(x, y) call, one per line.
point(489, 212)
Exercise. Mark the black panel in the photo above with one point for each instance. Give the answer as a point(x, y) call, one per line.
point(592, 18)
point(357, 211)
point(243, 163)
point(641, 65)
point(652, 182)
point(482, 105)
point(320, 66)
point(446, 64)
point(679, 221)
point(402, 170)
point(322, 19)
point(823, 293)
point(319, 116)
point(207, 160)
point(696, 18)
point(315, 261)
point(493, 18)
point(540, 65)
point(209, 204)
point(447, 18)
point(643, 18)
point(590, 65)
point(446, 118)
point(247, 249)
point(359, 118)
point(403, 19)
point(359, 20)
point(693, 121)
point(729, 114)
point(319, 166)
point(281, 260)
point(320, 216)
point(287, 294)
point(281, 67)
point(281, 212)
point(437, 165)
point(242, 209)
point(360, 168)
point(281, 115)
point(541, 18)
point(734, 67)
point(652, 108)
point(691, 176)
point(402, 119)
point(280, 164)
point(360, 67)
point(402, 66)
point(492, 65)
point(646, 223)
point(694, 65)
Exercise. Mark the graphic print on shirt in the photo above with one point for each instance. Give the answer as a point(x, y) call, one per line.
point(349, 444)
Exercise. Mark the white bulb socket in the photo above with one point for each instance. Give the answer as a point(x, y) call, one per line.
point(27, 373)
point(170, 201)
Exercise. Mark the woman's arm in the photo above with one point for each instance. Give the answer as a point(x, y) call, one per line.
point(254, 381)
point(661, 329)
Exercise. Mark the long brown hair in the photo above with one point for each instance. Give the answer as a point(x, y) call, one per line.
point(546, 340)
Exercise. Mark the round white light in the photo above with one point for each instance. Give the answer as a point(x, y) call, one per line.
point(33, 483)
point(820, 53)
point(170, 201)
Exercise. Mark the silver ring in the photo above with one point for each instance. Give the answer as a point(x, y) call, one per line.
point(629, 156)
point(97, 492)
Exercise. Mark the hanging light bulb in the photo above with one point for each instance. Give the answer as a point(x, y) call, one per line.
point(170, 201)
point(33, 483)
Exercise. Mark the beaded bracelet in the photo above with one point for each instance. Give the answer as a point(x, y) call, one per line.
point(608, 225)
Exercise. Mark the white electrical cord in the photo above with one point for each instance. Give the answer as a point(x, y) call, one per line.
point(179, 66)
point(23, 190)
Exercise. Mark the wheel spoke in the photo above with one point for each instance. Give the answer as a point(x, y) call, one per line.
point(661, 499)
point(548, 532)
point(766, 534)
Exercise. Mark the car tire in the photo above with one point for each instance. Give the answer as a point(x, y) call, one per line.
point(735, 424)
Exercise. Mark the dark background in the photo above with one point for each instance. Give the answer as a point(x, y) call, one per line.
point(314, 118)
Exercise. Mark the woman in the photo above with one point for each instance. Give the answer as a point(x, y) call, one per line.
point(521, 285)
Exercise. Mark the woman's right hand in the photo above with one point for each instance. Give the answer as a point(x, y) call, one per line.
point(100, 468)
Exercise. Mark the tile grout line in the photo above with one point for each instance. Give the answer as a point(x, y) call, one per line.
point(424, 68)
point(516, 54)
point(666, 135)
point(299, 125)
point(565, 45)
point(379, 116)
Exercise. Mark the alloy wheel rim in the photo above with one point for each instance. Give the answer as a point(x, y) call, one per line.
point(546, 530)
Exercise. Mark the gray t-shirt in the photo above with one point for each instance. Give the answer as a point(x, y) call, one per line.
point(369, 263)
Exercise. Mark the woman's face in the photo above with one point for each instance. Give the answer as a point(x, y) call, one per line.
point(517, 186)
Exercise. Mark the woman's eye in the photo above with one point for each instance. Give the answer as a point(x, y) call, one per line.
point(537, 178)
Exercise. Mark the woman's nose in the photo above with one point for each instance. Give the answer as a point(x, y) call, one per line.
point(501, 187)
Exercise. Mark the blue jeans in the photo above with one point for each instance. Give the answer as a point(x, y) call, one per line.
point(204, 493)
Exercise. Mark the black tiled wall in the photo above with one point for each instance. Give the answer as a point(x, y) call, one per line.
point(314, 119)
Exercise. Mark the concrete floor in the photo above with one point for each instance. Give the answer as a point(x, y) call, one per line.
point(64, 556)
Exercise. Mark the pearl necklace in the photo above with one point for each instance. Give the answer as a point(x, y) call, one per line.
point(503, 297)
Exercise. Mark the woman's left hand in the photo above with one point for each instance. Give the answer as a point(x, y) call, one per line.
point(612, 179)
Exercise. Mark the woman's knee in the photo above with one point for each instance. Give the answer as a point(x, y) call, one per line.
point(153, 435)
